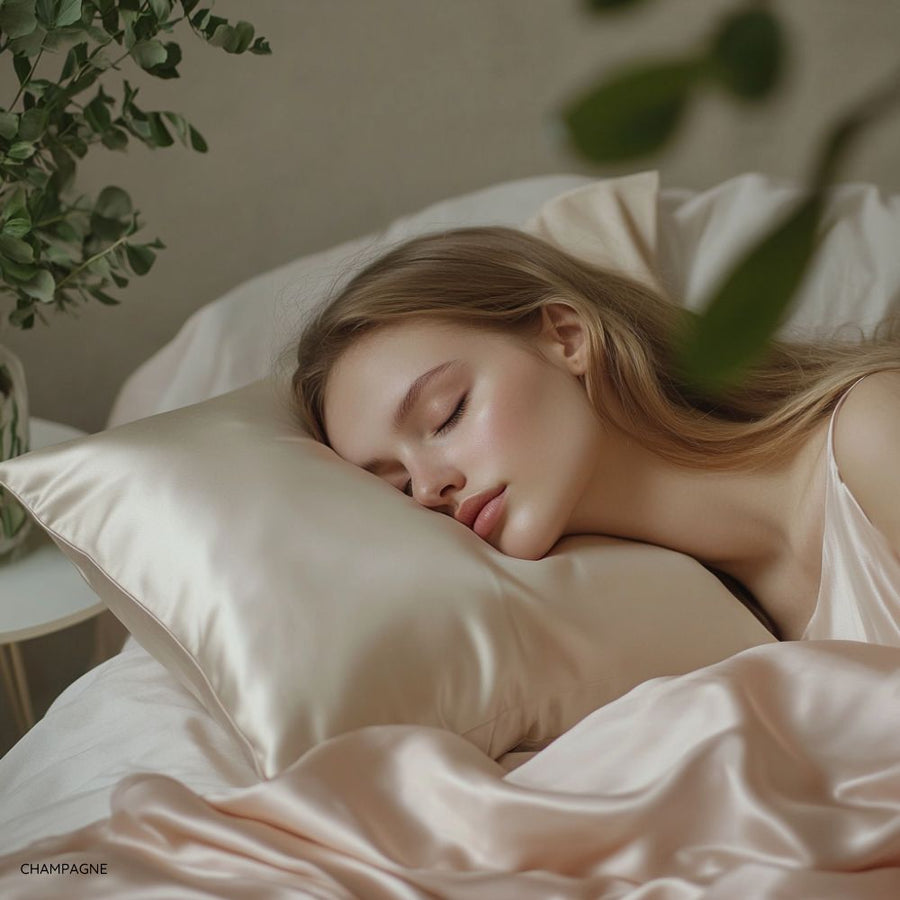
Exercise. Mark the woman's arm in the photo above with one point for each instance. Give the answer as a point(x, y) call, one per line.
point(867, 450)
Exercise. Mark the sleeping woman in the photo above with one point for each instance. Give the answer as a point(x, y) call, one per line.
point(493, 378)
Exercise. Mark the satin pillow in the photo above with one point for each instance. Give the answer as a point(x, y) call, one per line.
point(299, 597)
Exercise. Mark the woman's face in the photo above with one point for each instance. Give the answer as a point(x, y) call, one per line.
point(489, 416)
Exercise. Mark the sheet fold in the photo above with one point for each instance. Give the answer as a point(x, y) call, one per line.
point(775, 773)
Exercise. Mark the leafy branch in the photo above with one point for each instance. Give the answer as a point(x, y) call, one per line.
point(635, 112)
point(59, 251)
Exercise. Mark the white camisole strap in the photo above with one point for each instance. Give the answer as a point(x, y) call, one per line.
point(859, 589)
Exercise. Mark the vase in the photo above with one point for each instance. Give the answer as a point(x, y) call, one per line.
point(15, 522)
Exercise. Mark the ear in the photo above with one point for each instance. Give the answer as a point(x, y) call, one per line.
point(564, 337)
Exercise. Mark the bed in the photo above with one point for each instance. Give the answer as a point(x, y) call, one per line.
point(660, 744)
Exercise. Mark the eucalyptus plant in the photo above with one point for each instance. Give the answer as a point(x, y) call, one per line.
point(634, 112)
point(64, 64)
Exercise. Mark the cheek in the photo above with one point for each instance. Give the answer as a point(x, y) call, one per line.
point(509, 432)
point(542, 419)
point(546, 437)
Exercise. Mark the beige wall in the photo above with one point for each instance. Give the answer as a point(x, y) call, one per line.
point(367, 110)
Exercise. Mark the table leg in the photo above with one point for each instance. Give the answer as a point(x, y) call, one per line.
point(21, 683)
point(9, 684)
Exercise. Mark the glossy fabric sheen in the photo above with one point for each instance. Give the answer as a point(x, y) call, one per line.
point(859, 593)
point(299, 597)
point(774, 773)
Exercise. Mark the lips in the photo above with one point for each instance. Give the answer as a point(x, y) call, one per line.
point(470, 509)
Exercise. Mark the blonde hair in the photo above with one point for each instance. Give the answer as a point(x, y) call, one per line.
point(499, 278)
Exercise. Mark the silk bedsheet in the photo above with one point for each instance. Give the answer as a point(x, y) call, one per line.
point(775, 773)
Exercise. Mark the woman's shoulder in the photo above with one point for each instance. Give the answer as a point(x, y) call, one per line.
point(866, 441)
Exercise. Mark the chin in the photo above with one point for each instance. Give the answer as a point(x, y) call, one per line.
point(525, 545)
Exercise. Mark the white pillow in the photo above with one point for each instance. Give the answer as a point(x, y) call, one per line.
point(240, 337)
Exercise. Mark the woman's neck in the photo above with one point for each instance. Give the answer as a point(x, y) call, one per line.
point(763, 528)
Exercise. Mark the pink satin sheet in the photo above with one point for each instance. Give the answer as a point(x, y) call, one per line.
point(774, 773)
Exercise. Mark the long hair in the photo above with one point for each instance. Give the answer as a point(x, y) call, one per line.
point(499, 279)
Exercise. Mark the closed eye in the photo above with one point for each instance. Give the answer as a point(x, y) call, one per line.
point(455, 416)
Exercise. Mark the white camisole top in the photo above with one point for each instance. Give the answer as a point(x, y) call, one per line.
point(859, 590)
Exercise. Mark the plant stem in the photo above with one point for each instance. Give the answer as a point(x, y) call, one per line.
point(61, 217)
point(37, 59)
point(849, 126)
point(94, 258)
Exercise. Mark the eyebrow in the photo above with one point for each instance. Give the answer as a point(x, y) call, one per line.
point(410, 399)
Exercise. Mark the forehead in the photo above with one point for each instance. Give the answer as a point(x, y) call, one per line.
point(372, 376)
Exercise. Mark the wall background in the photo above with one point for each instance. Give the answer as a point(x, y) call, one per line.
point(367, 111)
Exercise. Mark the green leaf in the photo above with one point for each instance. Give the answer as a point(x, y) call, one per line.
point(105, 229)
point(16, 250)
point(220, 34)
point(261, 47)
point(14, 271)
point(27, 46)
point(168, 69)
point(21, 65)
point(109, 14)
point(17, 226)
point(633, 113)
point(75, 59)
point(180, 124)
point(113, 203)
point(159, 134)
point(161, 9)
point(130, 93)
point(65, 168)
point(188, 6)
point(42, 287)
point(45, 10)
point(33, 123)
point(23, 318)
point(97, 114)
point(36, 177)
point(9, 125)
point(17, 18)
point(140, 258)
point(198, 20)
point(115, 139)
point(16, 205)
point(187, 134)
point(68, 230)
point(197, 141)
point(148, 54)
point(97, 294)
point(69, 13)
point(99, 267)
point(747, 53)
point(240, 38)
point(60, 254)
point(76, 145)
point(733, 329)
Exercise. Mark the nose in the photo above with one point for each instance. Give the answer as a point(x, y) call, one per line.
point(436, 486)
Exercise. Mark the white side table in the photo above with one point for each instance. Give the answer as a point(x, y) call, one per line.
point(40, 592)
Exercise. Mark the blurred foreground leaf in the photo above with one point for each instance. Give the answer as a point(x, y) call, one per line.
point(747, 54)
point(633, 113)
point(746, 309)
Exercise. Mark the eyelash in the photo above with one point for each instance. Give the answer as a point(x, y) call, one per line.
point(455, 416)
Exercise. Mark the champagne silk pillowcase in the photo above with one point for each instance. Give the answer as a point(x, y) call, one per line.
point(298, 597)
